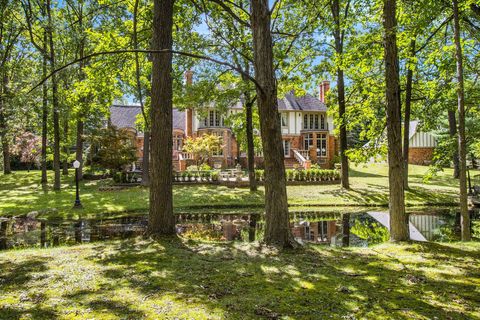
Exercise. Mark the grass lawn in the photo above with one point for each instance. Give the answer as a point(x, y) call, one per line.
point(21, 193)
point(176, 279)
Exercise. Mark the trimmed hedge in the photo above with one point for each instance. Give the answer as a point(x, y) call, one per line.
point(196, 176)
point(305, 175)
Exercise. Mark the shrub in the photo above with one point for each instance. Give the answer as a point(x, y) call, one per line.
point(115, 148)
point(120, 177)
point(337, 175)
point(205, 167)
point(214, 175)
point(301, 175)
point(192, 168)
point(315, 166)
point(259, 174)
point(290, 174)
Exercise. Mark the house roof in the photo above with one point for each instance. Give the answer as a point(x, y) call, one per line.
point(178, 119)
point(413, 128)
point(125, 116)
point(304, 103)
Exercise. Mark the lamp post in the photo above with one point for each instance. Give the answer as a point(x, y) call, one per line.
point(78, 204)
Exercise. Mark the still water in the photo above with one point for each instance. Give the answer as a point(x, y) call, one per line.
point(330, 228)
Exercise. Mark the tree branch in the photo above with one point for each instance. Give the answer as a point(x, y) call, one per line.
point(434, 33)
point(123, 51)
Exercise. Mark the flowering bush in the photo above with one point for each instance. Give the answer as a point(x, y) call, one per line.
point(28, 148)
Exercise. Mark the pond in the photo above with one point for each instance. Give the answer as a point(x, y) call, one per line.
point(337, 228)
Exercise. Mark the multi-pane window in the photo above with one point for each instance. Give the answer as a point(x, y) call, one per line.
point(321, 145)
point(284, 119)
point(286, 148)
point(213, 119)
point(218, 151)
point(313, 121)
point(177, 142)
point(307, 141)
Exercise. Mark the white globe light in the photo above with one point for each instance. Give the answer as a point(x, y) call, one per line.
point(76, 164)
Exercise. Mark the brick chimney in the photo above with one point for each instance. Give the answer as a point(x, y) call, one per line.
point(323, 90)
point(189, 111)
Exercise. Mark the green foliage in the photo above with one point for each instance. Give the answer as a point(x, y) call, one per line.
point(115, 148)
point(202, 147)
point(371, 231)
point(238, 124)
point(304, 175)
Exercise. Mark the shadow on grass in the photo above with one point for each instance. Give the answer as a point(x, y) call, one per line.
point(136, 278)
point(245, 282)
point(361, 174)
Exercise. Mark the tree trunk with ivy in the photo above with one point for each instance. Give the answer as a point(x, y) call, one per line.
point(161, 218)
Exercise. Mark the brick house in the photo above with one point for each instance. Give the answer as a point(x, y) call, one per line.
point(307, 131)
point(422, 145)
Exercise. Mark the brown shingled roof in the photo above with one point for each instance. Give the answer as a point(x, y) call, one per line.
point(125, 116)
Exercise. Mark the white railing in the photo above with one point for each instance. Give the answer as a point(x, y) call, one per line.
point(185, 156)
point(305, 154)
point(299, 157)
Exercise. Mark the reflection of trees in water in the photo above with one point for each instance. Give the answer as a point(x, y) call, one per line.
point(367, 228)
point(352, 229)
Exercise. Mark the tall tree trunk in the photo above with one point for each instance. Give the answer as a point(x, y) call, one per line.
point(462, 147)
point(65, 149)
point(3, 127)
point(146, 159)
point(250, 146)
point(43, 155)
point(346, 229)
point(343, 129)
point(146, 135)
point(399, 230)
point(338, 36)
point(55, 104)
point(79, 147)
point(161, 219)
point(406, 120)
point(452, 126)
point(80, 116)
point(277, 230)
point(6, 153)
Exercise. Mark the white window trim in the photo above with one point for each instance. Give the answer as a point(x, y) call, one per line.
point(326, 145)
point(285, 154)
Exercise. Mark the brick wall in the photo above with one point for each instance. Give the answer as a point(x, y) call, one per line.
point(421, 156)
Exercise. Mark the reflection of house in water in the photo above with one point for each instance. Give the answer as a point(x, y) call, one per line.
point(428, 225)
point(319, 231)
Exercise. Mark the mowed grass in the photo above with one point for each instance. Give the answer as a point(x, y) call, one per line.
point(21, 193)
point(177, 279)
